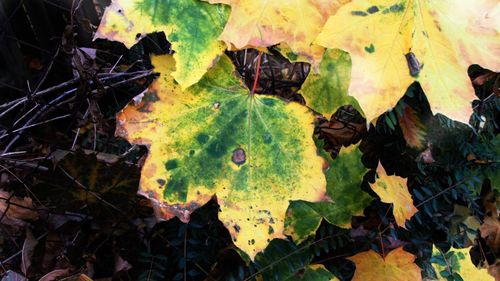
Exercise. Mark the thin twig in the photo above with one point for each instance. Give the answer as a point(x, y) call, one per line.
point(440, 193)
point(20, 251)
point(43, 122)
point(90, 191)
point(290, 254)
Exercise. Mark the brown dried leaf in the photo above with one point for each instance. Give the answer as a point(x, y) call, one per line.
point(413, 128)
point(345, 127)
point(54, 274)
point(490, 231)
point(16, 208)
point(29, 245)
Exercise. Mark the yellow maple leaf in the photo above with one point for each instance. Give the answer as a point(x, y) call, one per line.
point(254, 152)
point(395, 42)
point(457, 261)
point(262, 23)
point(393, 190)
point(398, 265)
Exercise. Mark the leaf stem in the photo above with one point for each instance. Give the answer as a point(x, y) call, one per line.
point(257, 71)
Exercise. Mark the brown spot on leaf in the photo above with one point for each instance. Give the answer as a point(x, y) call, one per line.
point(239, 157)
point(236, 228)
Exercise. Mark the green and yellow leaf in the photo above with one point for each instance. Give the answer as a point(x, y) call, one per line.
point(457, 261)
point(254, 152)
point(398, 265)
point(440, 39)
point(393, 190)
point(346, 198)
point(191, 26)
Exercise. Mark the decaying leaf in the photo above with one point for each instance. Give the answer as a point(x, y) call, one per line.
point(277, 76)
point(412, 126)
point(394, 42)
point(105, 190)
point(494, 270)
point(16, 208)
point(191, 26)
point(344, 177)
point(265, 23)
point(393, 190)
point(490, 230)
point(346, 127)
point(254, 152)
point(27, 252)
point(457, 262)
point(54, 274)
point(462, 217)
point(398, 265)
point(326, 90)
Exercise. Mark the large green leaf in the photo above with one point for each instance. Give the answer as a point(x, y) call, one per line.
point(254, 152)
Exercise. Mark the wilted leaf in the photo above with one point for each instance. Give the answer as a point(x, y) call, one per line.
point(393, 190)
point(326, 90)
point(490, 231)
point(265, 23)
point(494, 270)
point(394, 42)
point(412, 126)
point(254, 152)
point(27, 252)
point(457, 261)
point(278, 76)
point(345, 127)
point(17, 208)
point(77, 277)
point(398, 265)
point(55, 274)
point(191, 26)
point(462, 216)
point(344, 177)
point(105, 190)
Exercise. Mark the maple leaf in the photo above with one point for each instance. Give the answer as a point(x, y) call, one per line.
point(326, 90)
point(457, 262)
point(265, 23)
point(191, 26)
point(393, 190)
point(255, 152)
point(398, 265)
point(346, 198)
point(394, 42)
